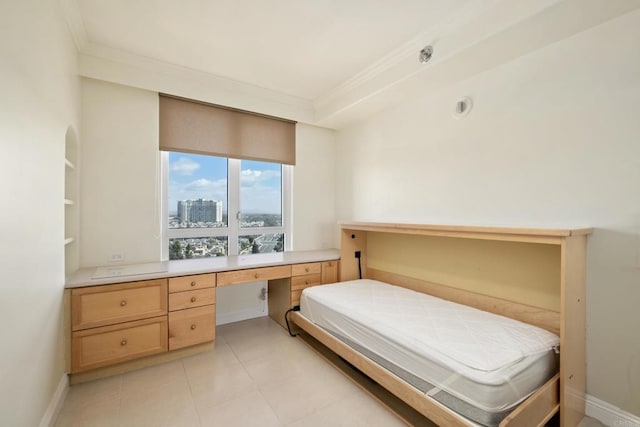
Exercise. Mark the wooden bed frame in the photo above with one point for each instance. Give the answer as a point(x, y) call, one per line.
point(479, 265)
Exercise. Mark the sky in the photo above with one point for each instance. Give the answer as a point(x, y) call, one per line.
point(193, 176)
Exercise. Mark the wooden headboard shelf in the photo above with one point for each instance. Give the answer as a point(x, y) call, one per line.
point(511, 234)
point(535, 275)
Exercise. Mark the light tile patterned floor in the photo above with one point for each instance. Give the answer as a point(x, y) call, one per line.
point(256, 376)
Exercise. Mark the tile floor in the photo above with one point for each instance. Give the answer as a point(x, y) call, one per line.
point(256, 376)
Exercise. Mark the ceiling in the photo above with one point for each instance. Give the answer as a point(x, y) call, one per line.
point(326, 62)
point(301, 48)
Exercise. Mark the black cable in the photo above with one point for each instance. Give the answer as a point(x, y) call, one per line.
point(286, 319)
point(359, 268)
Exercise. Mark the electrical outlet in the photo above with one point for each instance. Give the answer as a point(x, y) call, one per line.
point(117, 257)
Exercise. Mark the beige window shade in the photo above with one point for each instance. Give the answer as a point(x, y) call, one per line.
point(198, 127)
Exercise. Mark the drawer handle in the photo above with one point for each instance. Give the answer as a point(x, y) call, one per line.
point(306, 269)
point(256, 275)
point(123, 303)
point(123, 343)
point(193, 327)
point(306, 282)
point(193, 283)
point(193, 299)
point(329, 264)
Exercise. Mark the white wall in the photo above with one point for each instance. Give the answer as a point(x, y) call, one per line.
point(39, 103)
point(120, 174)
point(120, 210)
point(314, 214)
point(552, 140)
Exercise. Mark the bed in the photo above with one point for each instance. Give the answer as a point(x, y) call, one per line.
point(479, 364)
point(532, 279)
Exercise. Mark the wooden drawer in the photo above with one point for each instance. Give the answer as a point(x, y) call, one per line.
point(192, 326)
point(189, 283)
point(301, 282)
point(295, 297)
point(94, 348)
point(253, 275)
point(105, 305)
point(303, 269)
point(190, 299)
point(329, 272)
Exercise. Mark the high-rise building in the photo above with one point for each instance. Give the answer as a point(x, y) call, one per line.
point(200, 210)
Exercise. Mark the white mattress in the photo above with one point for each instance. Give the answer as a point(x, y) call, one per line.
point(488, 361)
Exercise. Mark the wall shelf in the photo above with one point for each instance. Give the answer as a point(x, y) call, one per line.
point(70, 202)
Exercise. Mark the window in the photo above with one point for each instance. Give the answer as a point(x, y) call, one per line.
point(215, 206)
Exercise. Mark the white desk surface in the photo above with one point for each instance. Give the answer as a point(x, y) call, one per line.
point(117, 273)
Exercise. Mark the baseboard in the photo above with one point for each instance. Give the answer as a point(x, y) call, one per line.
point(51, 414)
point(608, 414)
point(237, 316)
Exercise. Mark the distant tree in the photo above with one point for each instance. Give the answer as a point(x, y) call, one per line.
point(279, 247)
point(188, 251)
point(271, 221)
point(175, 250)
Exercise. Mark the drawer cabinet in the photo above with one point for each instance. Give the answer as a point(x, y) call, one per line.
point(253, 275)
point(119, 323)
point(309, 268)
point(191, 299)
point(190, 283)
point(311, 274)
point(98, 347)
point(192, 326)
point(301, 282)
point(192, 310)
point(106, 305)
point(295, 297)
point(329, 272)
point(284, 294)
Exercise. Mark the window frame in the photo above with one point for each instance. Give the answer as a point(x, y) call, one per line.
point(233, 230)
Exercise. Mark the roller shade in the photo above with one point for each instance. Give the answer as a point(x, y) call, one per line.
point(201, 128)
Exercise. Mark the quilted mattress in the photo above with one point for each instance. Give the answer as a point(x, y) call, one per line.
point(479, 364)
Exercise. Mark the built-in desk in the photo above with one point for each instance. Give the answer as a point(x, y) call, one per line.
point(123, 317)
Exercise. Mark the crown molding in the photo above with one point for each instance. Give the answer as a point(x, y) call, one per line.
point(467, 26)
point(122, 67)
point(495, 37)
point(408, 51)
point(72, 15)
point(118, 66)
point(480, 35)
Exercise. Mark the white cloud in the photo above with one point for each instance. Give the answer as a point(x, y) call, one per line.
point(205, 185)
point(251, 177)
point(184, 166)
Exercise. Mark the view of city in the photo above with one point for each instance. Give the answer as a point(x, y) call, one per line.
point(198, 192)
point(200, 247)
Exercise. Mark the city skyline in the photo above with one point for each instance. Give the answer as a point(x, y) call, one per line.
point(193, 177)
point(199, 210)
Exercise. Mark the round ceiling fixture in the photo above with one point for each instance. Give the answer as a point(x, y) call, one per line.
point(425, 54)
